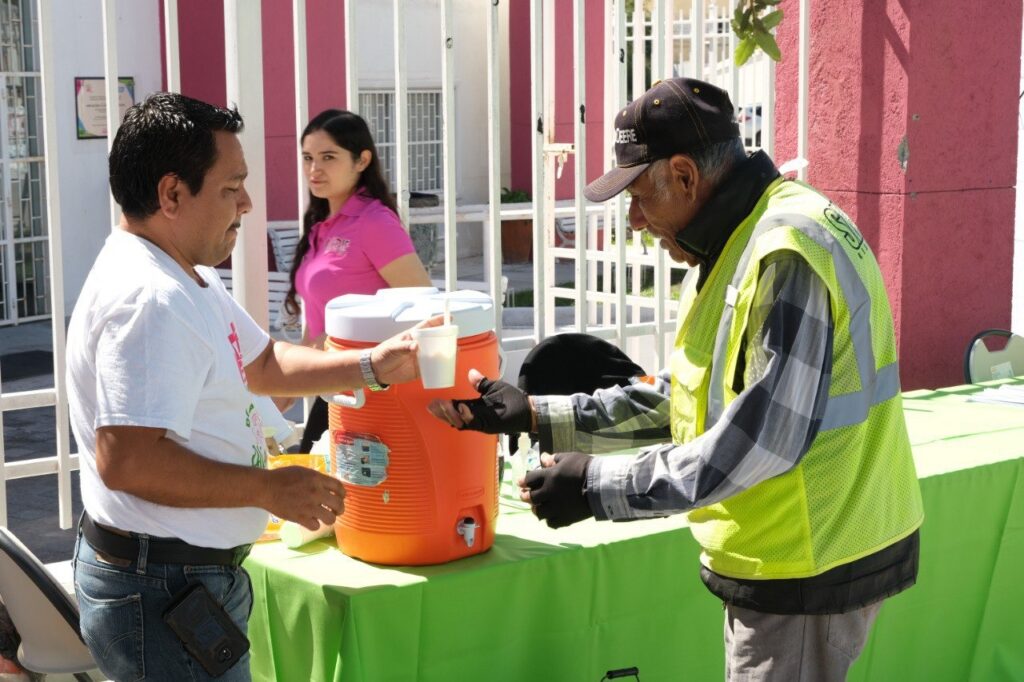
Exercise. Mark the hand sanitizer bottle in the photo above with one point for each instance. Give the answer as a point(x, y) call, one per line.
point(519, 460)
point(533, 457)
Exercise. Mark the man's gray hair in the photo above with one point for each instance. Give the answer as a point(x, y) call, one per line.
point(713, 163)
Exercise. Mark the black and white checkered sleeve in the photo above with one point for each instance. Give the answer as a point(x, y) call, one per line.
point(609, 420)
point(763, 433)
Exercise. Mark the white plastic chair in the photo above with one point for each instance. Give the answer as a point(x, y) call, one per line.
point(982, 364)
point(283, 325)
point(44, 615)
point(284, 239)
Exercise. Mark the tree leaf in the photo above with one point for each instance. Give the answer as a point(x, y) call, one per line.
point(772, 20)
point(767, 43)
point(771, 2)
point(744, 49)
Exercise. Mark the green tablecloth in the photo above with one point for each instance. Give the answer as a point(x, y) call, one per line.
point(572, 604)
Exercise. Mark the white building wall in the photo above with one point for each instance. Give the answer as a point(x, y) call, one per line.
point(84, 200)
point(423, 55)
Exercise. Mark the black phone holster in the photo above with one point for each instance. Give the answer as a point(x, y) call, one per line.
point(206, 630)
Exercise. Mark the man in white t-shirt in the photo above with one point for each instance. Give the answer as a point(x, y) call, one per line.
point(162, 365)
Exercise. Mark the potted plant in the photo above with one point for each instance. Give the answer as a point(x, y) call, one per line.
point(516, 235)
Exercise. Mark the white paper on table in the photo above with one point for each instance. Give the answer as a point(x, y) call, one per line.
point(1001, 395)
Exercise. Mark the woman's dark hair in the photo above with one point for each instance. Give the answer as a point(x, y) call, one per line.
point(350, 132)
point(165, 133)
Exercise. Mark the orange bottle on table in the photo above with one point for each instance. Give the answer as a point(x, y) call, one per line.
point(417, 491)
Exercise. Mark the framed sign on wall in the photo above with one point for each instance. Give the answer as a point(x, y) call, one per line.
point(91, 104)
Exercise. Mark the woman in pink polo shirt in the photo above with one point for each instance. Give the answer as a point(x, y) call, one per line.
point(352, 240)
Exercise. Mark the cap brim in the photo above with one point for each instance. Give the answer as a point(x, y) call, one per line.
point(613, 182)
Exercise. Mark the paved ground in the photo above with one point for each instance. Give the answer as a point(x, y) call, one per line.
point(32, 503)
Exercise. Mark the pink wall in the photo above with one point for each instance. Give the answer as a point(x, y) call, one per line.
point(943, 75)
point(522, 128)
point(201, 49)
point(325, 25)
point(201, 42)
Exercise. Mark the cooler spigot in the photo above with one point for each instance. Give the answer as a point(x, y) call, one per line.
point(467, 529)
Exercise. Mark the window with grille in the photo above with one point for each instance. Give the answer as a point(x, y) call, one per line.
point(424, 134)
point(24, 251)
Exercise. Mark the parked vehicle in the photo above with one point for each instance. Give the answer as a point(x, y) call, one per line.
point(749, 119)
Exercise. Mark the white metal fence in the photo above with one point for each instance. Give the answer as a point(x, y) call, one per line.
point(36, 212)
point(621, 288)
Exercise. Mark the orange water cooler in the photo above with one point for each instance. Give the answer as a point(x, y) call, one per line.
point(417, 491)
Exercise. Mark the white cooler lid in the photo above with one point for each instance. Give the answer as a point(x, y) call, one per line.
point(374, 318)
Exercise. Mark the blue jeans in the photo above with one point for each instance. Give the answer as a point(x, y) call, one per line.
point(121, 609)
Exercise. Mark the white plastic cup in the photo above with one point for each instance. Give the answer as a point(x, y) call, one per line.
point(293, 535)
point(436, 354)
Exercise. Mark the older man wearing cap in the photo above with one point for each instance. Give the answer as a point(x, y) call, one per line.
point(788, 449)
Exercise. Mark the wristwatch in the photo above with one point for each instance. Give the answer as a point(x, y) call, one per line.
point(367, 369)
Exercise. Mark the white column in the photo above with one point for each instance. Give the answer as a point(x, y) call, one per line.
point(639, 56)
point(172, 65)
point(351, 67)
point(48, 78)
point(448, 144)
point(579, 15)
point(301, 95)
point(402, 119)
point(301, 119)
point(615, 78)
point(768, 113)
point(657, 41)
point(697, 45)
point(803, 99)
point(243, 46)
point(639, 86)
point(493, 227)
point(553, 157)
point(658, 30)
point(734, 71)
point(109, 11)
point(537, 150)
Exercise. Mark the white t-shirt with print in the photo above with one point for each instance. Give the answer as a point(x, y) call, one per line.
point(148, 346)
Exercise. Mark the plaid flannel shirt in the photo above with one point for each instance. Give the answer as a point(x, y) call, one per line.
point(782, 390)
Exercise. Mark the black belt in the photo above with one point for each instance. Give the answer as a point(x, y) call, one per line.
point(125, 546)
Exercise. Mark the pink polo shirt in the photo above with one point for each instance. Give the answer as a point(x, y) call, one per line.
point(346, 254)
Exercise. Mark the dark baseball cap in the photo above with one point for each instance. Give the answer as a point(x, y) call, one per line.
point(674, 116)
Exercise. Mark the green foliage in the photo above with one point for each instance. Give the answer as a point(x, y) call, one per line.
point(514, 196)
point(523, 298)
point(752, 22)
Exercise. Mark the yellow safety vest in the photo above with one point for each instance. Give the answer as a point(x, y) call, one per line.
point(855, 491)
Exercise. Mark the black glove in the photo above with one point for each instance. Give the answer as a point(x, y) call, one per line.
point(558, 492)
point(501, 408)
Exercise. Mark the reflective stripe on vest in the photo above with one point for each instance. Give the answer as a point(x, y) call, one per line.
point(877, 386)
